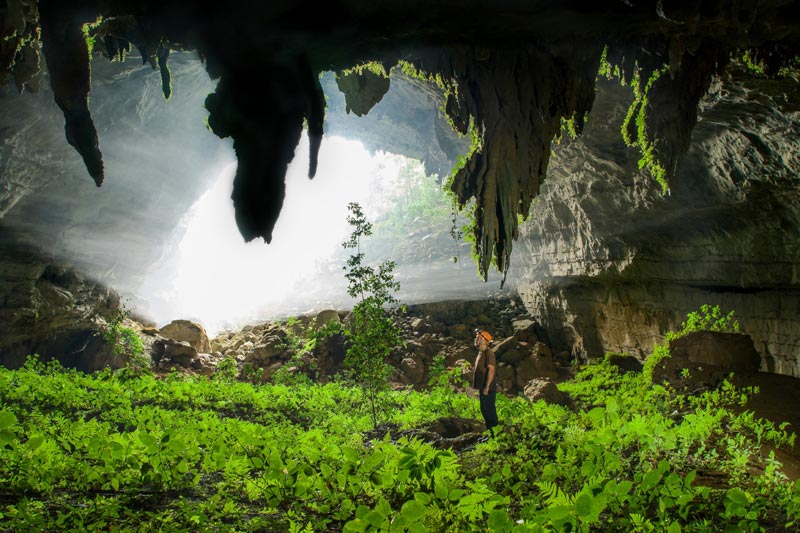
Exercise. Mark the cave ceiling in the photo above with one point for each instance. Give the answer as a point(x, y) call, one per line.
point(515, 75)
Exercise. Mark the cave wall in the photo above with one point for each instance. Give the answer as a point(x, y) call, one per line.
point(610, 263)
point(114, 233)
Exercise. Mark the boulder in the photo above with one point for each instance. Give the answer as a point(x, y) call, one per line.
point(731, 351)
point(330, 353)
point(708, 356)
point(625, 362)
point(179, 353)
point(205, 364)
point(324, 317)
point(458, 354)
point(513, 356)
point(533, 367)
point(506, 377)
point(452, 427)
point(563, 358)
point(430, 345)
point(264, 352)
point(502, 346)
point(420, 325)
point(546, 390)
point(524, 330)
point(460, 331)
point(540, 349)
point(187, 331)
point(413, 370)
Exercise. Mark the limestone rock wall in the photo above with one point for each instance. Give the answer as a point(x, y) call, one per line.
point(52, 311)
point(608, 263)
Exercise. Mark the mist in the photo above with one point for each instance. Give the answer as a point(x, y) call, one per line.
point(213, 277)
point(161, 230)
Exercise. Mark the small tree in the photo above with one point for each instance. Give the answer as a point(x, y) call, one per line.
point(125, 343)
point(372, 334)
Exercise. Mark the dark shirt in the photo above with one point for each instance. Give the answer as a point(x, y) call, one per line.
point(482, 363)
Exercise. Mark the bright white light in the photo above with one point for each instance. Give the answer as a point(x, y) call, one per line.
point(218, 280)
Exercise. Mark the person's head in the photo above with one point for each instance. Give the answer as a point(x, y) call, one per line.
point(482, 339)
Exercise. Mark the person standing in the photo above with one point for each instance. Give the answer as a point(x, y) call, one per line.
point(484, 379)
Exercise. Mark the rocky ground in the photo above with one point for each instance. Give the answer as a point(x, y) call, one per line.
point(436, 335)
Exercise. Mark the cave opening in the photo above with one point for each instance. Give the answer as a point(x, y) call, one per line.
point(638, 156)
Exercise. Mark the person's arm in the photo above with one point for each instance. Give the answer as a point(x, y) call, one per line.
point(489, 378)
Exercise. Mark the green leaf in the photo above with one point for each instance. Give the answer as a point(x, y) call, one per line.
point(417, 528)
point(597, 415)
point(558, 512)
point(34, 443)
point(611, 405)
point(423, 497)
point(738, 496)
point(583, 504)
point(383, 507)
point(456, 494)
point(356, 526)
point(624, 487)
point(412, 510)
point(650, 480)
point(6, 437)
point(7, 419)
point(499, 520)
point(674, 527)
point(374, 518)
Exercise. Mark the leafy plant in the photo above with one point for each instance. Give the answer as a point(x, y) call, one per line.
point(708, 318)
point(372, 334)
point(125, 342)
point(225, 370)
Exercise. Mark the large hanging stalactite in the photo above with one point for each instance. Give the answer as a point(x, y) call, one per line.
point(265, 121)
point(67, 54)
point(516, 99)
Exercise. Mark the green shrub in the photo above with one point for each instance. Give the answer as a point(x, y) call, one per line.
point(226, 370)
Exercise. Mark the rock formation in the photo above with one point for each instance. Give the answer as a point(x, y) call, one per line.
point(526, 69)
point(54, 312)
point(610, 263)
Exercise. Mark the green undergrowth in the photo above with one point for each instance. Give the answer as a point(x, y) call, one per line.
point(139, 453)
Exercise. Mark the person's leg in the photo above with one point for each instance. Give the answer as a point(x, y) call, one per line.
point(491, 412)
point(488, 410)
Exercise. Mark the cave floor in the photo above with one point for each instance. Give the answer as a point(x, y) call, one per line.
point(778, 400)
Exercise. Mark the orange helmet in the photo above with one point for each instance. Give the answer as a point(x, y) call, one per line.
point(485, 334)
